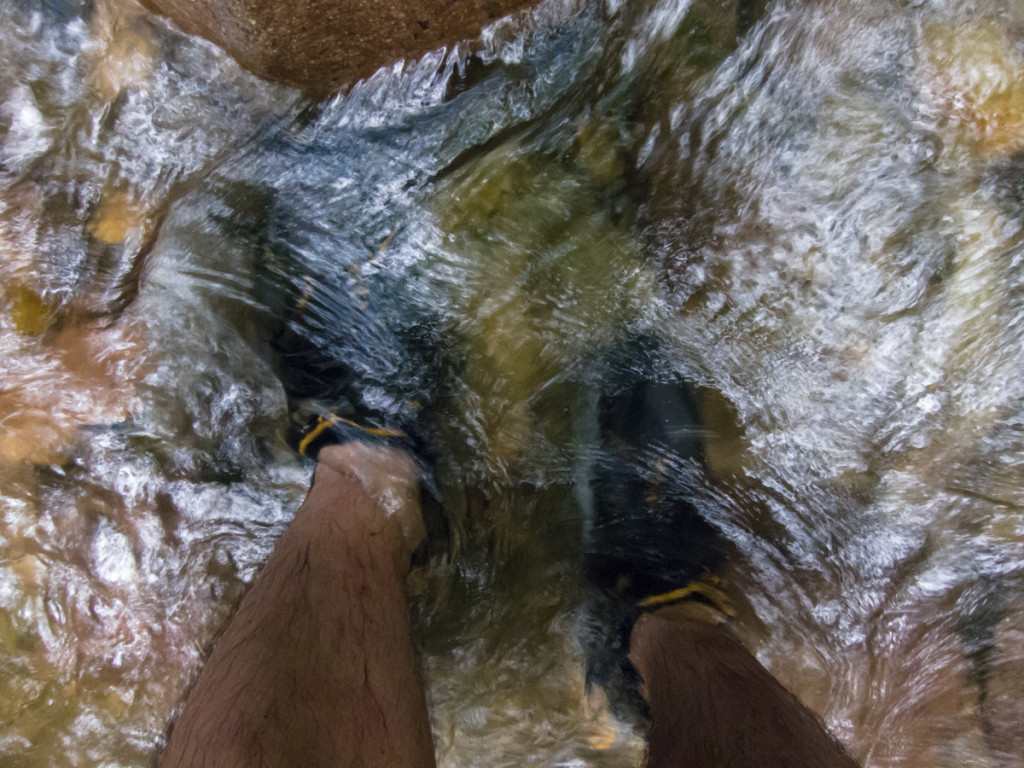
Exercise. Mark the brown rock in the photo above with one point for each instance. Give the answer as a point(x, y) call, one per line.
point(970, 76)
point(324, 45)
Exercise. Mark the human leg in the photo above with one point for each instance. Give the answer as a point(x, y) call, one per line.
point(317, 667)
point(712, 704)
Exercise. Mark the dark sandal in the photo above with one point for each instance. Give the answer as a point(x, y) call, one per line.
point(648, 545)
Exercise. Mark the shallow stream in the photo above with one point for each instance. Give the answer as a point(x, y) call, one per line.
point(813, 212)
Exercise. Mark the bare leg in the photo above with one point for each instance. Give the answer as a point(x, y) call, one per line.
point(317, 668)
point(714, 706)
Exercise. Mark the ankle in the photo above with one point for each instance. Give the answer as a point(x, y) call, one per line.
point(368, 497)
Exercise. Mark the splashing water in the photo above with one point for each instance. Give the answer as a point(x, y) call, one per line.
point(811, 210)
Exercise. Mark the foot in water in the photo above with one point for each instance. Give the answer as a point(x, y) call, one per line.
point(654, 559)
point(647, 543)
point(318, 665)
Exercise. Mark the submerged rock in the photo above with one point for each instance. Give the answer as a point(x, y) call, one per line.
point(970, 77)
point(323, 45)
point(546, 274)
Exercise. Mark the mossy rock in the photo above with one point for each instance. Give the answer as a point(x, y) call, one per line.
point(30, 312)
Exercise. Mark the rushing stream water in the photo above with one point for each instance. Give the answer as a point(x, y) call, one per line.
point(810, 210)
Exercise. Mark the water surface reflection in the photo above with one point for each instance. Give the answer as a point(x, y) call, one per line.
point(811, 210)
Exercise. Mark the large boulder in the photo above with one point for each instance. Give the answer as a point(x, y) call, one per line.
point(324, 45)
